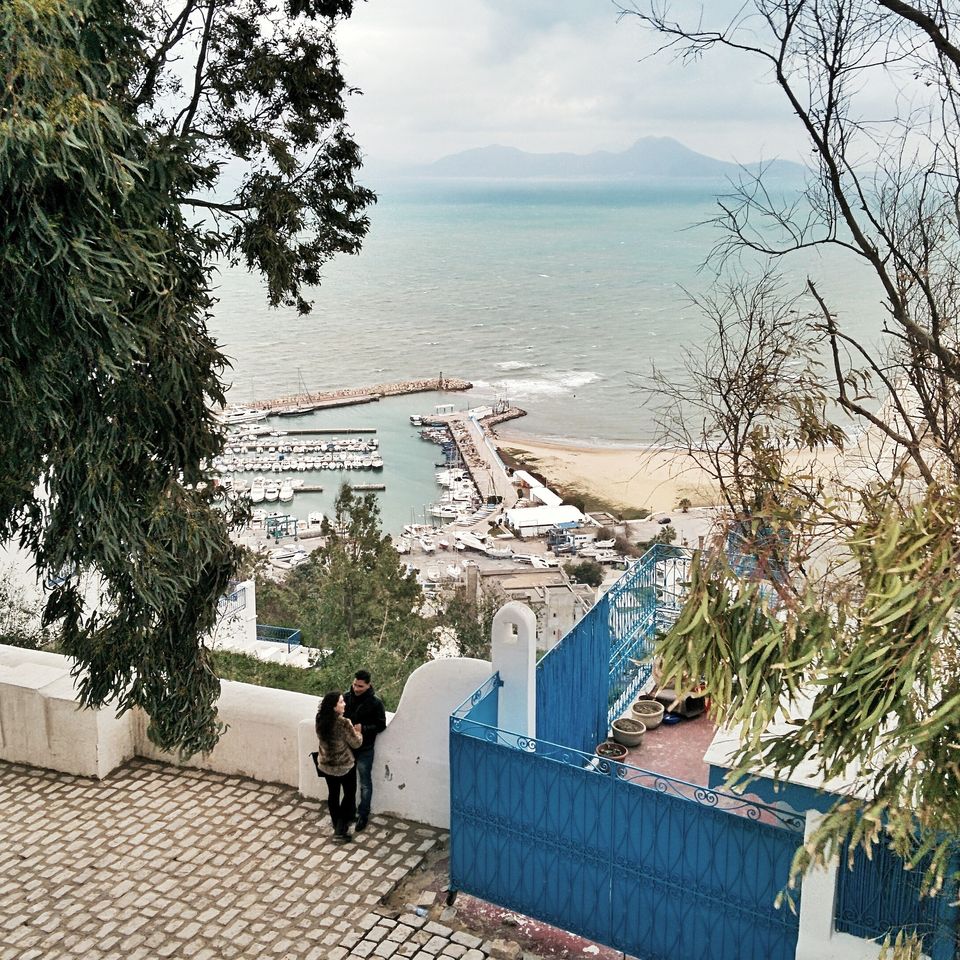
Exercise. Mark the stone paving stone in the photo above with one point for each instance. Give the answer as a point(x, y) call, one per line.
point(160, 861)
point(467, 939)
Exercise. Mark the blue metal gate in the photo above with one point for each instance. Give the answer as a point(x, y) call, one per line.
point(879, 897)
point(649, 865)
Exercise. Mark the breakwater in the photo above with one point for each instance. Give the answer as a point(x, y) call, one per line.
point(348, 396)
point(511, 413)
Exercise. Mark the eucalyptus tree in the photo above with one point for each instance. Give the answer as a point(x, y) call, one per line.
point(838, 453)
point(141, 143)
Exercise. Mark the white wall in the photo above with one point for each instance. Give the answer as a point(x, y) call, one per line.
point(411, 767)
point(269, 732)
point(261, 737)
point(514, 651)
point(42, 725)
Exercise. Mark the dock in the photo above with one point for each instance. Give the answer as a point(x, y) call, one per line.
point(367, 487)
point(479, 454)
point(318, 431)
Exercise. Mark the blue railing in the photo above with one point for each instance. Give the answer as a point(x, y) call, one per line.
point(233, 602)
point(607, 657)
point(476, 718)
point(292, 638)
point(879, 897)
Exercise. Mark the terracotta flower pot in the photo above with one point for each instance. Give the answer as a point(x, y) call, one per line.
point(610, 750)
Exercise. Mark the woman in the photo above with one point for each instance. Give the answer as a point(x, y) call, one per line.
point(337, 736)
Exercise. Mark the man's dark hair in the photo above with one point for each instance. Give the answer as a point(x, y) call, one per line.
point(363, 675)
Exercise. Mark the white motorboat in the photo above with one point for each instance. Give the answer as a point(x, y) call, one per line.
point(427, 545)
point(473, 542)
point(271, 491)
point(403, 545)
point(257, 519)
point(235, 415)
point(286, 491)
point(444, 511)
point(315, 520)
point(257, 490)
point(286, 558)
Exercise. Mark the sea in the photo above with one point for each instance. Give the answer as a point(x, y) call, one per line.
point(557, 296)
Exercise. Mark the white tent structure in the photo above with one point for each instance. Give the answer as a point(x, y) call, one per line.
point(531, 521)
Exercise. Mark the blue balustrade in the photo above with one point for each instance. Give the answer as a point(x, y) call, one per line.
point(879, 897)
point(232, 602)
point(588, 679)
point(288, 635)
point(642, 862)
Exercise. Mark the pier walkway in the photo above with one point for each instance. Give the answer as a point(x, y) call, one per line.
point(480, 457)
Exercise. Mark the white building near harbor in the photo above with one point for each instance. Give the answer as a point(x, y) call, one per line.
point(533, 521)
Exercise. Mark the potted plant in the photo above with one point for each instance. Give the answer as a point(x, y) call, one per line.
point(611, 750)
point(629, 731)
point(648, 711)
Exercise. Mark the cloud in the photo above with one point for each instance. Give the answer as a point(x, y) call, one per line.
point(543, 75)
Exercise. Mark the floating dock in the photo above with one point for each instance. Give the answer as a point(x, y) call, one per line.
point(317, 431)
point(367, 487)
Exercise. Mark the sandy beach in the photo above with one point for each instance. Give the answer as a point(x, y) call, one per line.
point(631, 478)
point(657, 478)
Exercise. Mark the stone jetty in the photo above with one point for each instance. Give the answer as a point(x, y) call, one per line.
point(347, 396)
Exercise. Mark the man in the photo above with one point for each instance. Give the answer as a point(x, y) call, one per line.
point(365, 708)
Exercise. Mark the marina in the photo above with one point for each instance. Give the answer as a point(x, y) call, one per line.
point(471, 486)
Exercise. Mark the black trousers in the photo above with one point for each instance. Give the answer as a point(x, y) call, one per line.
point(342, 798)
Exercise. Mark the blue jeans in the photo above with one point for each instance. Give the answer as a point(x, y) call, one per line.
point(364, 775)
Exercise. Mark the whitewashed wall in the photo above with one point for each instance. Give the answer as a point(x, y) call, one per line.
point(411, 767)
point(261, 737)
point(269, 732)
point(42, 725)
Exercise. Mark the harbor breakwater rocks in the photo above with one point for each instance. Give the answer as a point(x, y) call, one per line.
point(348, 395)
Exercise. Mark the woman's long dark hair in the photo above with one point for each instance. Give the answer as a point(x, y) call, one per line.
point(327, 715)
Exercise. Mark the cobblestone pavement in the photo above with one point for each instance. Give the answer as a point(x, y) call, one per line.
point(159, 862)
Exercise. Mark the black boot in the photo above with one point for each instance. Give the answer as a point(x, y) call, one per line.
point(342, 832)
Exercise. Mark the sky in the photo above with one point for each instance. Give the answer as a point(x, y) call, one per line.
point(440, 76)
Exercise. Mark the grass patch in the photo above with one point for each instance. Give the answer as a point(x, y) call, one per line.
point(280, 676)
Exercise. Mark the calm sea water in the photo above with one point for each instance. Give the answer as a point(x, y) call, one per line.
point(556, 296)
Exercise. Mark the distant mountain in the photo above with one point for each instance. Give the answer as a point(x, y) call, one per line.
point(648, 157)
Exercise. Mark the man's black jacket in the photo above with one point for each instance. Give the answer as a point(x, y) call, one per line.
point(367, 710)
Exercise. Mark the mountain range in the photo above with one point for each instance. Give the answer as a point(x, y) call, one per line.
point(648, 157)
